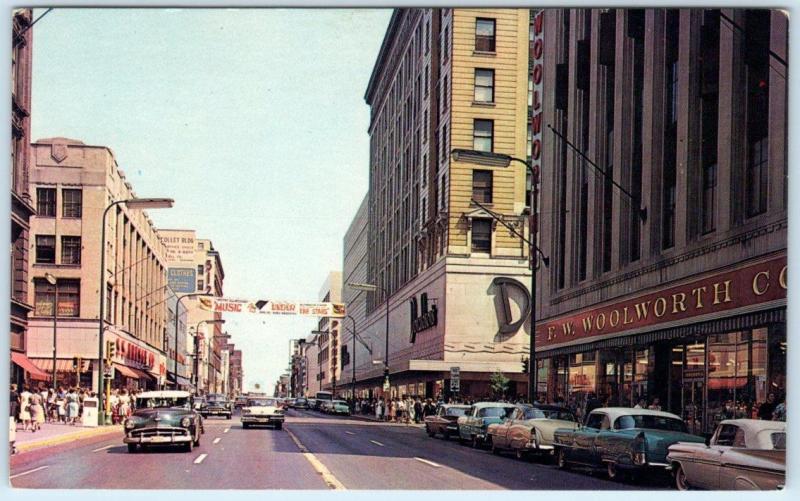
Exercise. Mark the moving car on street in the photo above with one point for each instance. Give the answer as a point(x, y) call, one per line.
point(742, 454)
point(530, 429)
point(473, 425)
point(163, 418)
point(216, 405)
point(259, 411)
point(300, 403)
point(339, 408)
point(623, 440)
point(445, 420)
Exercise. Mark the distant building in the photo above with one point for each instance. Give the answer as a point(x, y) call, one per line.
point(73, 183)
point(21, 203)
point(236, 373)
point(329, 335)
point(354, 270)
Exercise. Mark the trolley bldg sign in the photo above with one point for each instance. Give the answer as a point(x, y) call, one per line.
point(753, 285)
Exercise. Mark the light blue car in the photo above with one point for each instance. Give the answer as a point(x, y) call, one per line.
point(472, 427)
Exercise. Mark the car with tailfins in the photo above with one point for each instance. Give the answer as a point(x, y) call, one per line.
point(530, 429)
point(445, 420)
point(742, 454)
point(473, 425)
point(262, 411)
point(621, 439)
point(163, 418)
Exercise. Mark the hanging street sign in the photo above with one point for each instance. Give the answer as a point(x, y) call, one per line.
point(272, 307)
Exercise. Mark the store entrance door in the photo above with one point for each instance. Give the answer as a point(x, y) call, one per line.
point(693, 404)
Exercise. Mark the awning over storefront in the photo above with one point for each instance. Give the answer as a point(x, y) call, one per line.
point(126, 371)
point(34, 372)
point(141, 374)
point(46, 365)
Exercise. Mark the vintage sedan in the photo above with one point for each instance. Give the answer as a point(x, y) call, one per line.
point(623, 440)
point(163, 418)
point(339, 408)
point(300, 403)
point(473, 425)
point(216, 405)
point(262, 410)
point(445, 420)
point(742, 454)
point(530, 429)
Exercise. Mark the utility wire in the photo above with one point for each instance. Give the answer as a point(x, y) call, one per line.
point(19, 38)
point(744, 32)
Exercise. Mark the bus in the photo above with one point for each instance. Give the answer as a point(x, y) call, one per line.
point(322, 396)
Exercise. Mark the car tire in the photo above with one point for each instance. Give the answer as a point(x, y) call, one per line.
point(520, 454)
point(474, 443)
point(278, 426)
point(446, 435)
point(132, 448)
point(188, 447)
point(680, 479)
point(245, 426)
point(561, 459)
point(613, 471)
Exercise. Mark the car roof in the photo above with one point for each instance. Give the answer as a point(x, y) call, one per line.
point(548, 407)
point(455, 406)
point(164, 394)
point(615, 412)
point(756, 425)
point(494, 404)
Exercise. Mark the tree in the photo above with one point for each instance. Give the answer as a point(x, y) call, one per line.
point(499, 384)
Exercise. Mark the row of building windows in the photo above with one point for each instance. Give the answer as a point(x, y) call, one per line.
point(46, 249)
point(71, 199)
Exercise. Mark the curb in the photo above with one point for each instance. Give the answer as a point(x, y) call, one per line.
point(67, 437)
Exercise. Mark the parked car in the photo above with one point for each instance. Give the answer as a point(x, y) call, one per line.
point(530, 429)
point(318, 403)
point(473, 425)
point(623, 440)
point(288, 403)
point(339, 408)
point(163, 418)
point(742, 454)
point(239, 402)
point(300, 403)
point(198, 401)
point(445, 420)
point(262, 411)
point(216, 405)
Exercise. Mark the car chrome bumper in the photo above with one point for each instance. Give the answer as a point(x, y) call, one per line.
point(158, 436)
point(262, 419)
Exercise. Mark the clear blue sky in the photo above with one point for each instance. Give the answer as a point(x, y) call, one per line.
point(253, 120)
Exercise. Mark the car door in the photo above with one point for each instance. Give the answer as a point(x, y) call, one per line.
point(726, 476)
point(586, 435)
point(707, 466)
point(465, 427)
point(518, 430)
point(503, 428)
point(438, 422)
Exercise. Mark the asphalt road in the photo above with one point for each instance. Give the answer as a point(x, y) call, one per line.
point(313, 451)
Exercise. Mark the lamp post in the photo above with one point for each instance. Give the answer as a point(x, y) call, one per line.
point(177, 317)
point(372, 288)
point(131, 203)
point(196, 350)
point(353, 357)
point(502, 160)
point(54, 282)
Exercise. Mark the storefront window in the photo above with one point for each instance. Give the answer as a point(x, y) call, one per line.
point(642, 367)
point(542, 378)
point(582, 378)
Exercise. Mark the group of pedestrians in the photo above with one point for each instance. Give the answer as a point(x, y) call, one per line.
point(31, 406)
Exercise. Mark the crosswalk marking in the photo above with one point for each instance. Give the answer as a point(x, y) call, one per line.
point(376, 442)
point(104, 448)
point(430, 463)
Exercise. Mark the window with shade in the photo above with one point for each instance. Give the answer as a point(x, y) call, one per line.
point(46, 249)
point(484, 35)
point(481, 235)
point(483, 135)
point(70, 250)
point(482, 186)
point(484, 85)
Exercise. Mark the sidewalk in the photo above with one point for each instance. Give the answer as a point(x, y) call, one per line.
point(371, 417)
point(55, 433)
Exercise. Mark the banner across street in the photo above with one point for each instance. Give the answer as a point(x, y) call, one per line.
point(272, 307)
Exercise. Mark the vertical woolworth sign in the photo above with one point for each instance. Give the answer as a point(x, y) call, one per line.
point(537, 58)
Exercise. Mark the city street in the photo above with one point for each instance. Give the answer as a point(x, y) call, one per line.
point(313, 451)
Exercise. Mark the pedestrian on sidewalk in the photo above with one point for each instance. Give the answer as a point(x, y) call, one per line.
point(25, 408)
point(37, 412)
point(61, 405)
point(417, 411)
point(52, 409)
point(72, 406)
point(392, 410)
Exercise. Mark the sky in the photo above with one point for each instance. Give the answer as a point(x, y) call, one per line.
point(253, 120)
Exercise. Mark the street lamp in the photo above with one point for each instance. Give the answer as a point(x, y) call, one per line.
point(503, 160)
point(372, 288)
point(54, 282)
point(353, 357)
point(131, 203)
point(177, 317)
point(196, 350)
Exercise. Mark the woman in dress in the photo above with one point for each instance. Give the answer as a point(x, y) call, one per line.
point(72, 406)
point(25, 408)
point(37, 412)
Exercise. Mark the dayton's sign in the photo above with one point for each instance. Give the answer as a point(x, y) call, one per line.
point(424, 319)
point(269, 307)
point(748, 286)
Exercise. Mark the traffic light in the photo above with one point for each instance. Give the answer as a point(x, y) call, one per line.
point(111, 350)
point(75, 363)
point(525, 365)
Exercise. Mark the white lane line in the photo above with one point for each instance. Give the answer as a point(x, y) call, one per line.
point(216, 440)
point(377, 443)
point(200, 458)
point(430, 463)
point(226, 430)
point(104, 448)
point(349, 432)
point(28, 472)
point(320, 468)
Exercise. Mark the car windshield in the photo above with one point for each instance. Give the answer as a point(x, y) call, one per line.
point(162, 402)
point(262, 402)
point(217, 401)
point(531, 413)
point(339, 402)
point(558, 414)
point(301, 401)
point(495, 411)
point(456, 411)
point(649, 421)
